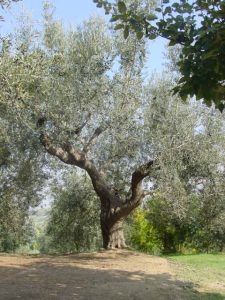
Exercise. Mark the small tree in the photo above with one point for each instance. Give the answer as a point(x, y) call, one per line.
point(19, 184)
point(78, 228)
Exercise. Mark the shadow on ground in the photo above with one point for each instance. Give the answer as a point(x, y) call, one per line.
point(84, 277)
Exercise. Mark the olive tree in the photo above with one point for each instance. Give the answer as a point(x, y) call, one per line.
point(190, 193)
point(19, 184)
point(78, 228)
point(81, 91)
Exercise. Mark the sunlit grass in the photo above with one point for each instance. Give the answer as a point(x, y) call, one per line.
point(205, 271)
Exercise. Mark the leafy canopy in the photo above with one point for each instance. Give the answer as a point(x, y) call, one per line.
point(198, 26)
point(82, 87)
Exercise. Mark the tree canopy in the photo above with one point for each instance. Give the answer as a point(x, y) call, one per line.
point(62, 85)
point(197, 26)
point(19, 183)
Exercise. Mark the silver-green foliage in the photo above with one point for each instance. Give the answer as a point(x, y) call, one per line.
point(189, 142)
point(19, 187)
point(84, 78)
point(73, 225)
point(21, 178)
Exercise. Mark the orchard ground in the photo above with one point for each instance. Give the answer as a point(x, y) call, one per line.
point(119, 274)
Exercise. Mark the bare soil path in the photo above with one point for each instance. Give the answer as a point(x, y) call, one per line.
point(107, 275)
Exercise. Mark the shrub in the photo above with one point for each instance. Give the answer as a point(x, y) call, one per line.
point(144, 236)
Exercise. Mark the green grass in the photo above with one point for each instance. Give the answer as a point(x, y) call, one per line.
point(202, 261)
point(205, 271)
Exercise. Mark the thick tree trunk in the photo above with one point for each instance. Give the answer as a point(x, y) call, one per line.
point(113, 209)
point(112, 234)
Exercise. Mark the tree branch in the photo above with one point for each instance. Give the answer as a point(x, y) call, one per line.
point(147, 193)
point(93, 139)
point(69, 155)
point(109, 198)
point(78, 130)
point(136, 191)
point(138, 175)
point(55, 151)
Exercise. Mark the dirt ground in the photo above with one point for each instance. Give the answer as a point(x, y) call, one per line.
point(105, 275)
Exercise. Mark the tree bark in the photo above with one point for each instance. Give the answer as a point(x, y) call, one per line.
point(112, 234)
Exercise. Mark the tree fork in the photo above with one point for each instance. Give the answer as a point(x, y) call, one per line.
point(113, 209)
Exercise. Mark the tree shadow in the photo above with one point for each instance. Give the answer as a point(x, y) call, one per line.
point(76, 277)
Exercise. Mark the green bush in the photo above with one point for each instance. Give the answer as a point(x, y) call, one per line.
point(77, 229)
point(157, 228)
point(144, 236)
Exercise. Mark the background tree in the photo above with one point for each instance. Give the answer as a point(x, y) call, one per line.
point(21, 179)
point(78, 229)
point(143, 235)
point(198, 26)
point(190, 143)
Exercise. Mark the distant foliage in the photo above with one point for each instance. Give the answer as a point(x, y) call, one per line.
point(21, 179)
point(15, 228)
point(157, 228)
point(74, 220)
point(187, 210)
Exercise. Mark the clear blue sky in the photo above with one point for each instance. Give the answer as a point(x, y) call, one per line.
point(74, 12)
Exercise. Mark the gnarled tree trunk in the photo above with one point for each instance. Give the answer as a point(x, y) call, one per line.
point(112, 234)
point(113, 209)
point(112, 223)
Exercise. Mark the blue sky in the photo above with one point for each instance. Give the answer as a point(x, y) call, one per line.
point(74, 12)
